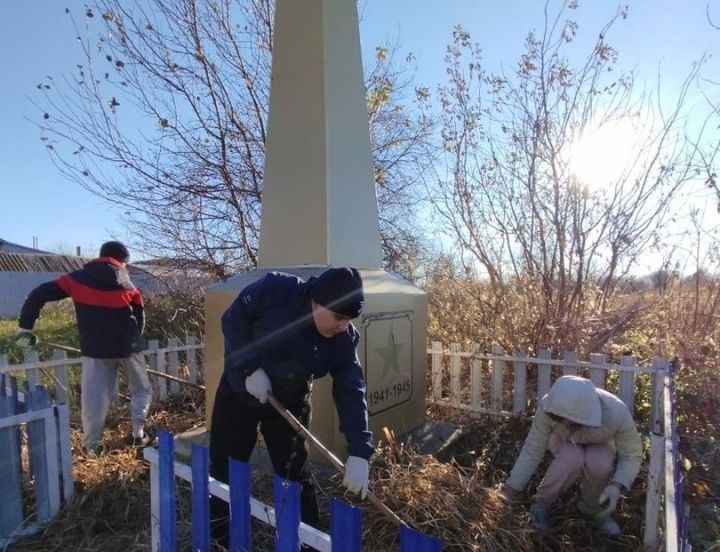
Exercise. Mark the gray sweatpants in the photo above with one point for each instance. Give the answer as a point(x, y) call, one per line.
point(594, 461)
point(99, 385)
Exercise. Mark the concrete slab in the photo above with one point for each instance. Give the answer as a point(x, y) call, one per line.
point(432, 436)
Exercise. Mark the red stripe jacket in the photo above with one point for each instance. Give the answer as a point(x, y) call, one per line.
point(110, 313)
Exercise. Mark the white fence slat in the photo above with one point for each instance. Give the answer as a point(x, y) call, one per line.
point(65, 451)
point(61, 378)
point(544, 374)
point(627, 383)
point(497, 379)
point(3, 363)
point(32, 376)
point(154, 505)
point(476, 378)
point(598, 375)
point(519, 379)
point(160, 367)
point(44, 365)
point(654, 490)
point(671, 513)
point(172, 365)
point(572, 358)
point(52, 464)
point(437, 359)
point(660, 367)
point(156, 360)
point(191, 359)
point(22, 418)
point(455, 373)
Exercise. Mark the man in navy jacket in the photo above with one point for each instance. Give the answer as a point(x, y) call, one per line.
point(281, 333)
point(110, 320)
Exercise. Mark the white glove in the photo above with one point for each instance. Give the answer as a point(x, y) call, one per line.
point(258, 385)
point(25, 338)
point(611, 495)
point(356, 475)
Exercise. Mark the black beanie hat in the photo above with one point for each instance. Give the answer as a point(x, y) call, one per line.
point(116, 250)
point(340, 290)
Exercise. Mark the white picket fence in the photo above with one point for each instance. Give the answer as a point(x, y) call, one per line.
point(166, 360)
point(494, 383)
point(477, 383)
point(35, 421)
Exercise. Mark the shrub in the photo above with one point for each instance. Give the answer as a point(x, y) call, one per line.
point(176, 314)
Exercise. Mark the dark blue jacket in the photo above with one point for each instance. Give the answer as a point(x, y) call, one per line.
point(270, 326)
point(109, 309)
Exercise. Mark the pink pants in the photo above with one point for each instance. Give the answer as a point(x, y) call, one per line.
point(596, 461)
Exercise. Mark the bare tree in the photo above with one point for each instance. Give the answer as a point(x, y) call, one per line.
point(166, 117)
point(400, 129)
point(505, 189)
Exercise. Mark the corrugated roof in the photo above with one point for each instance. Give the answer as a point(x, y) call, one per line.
point(9, 247)
point(14, 262)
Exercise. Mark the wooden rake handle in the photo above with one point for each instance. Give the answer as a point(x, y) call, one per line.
point(297, 426)
point(334, 460)
point(149, 371)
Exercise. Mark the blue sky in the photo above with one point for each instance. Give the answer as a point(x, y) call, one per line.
point(36, 39)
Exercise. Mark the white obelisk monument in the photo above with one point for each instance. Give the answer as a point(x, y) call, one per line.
point(319, 209)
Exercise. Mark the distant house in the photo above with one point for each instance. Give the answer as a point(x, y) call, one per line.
point(8, 247)
point(23, 268)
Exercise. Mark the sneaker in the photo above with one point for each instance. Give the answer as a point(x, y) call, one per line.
point(96, 449)
point(144, 441)
point(588, 510)
point(609, 527)
point(540, 514)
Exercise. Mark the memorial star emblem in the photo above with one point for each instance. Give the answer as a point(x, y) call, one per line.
point(390, 354)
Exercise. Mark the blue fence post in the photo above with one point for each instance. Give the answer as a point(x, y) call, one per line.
point(240, 525)
point(345, 526)
point(11, 505)
point(38, 399)
point(168, 530)
point(287, 514)
point(200, 499)
point(413, 541)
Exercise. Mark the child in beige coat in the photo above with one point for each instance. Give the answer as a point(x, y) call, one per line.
point(591, 433)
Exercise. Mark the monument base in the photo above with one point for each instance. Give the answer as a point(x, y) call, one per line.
point(431, 437)
point(392, 350)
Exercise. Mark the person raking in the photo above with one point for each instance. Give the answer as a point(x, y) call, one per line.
point(281, 333)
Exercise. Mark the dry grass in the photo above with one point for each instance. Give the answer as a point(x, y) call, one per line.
point(455, 500)
point(458, 501)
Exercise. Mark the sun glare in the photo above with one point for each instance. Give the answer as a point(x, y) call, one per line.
point(601, 156)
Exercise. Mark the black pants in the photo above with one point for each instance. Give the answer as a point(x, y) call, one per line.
point(234, 434)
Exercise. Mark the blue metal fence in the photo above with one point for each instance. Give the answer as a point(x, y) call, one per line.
point(47, 441)
point(346, 520)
